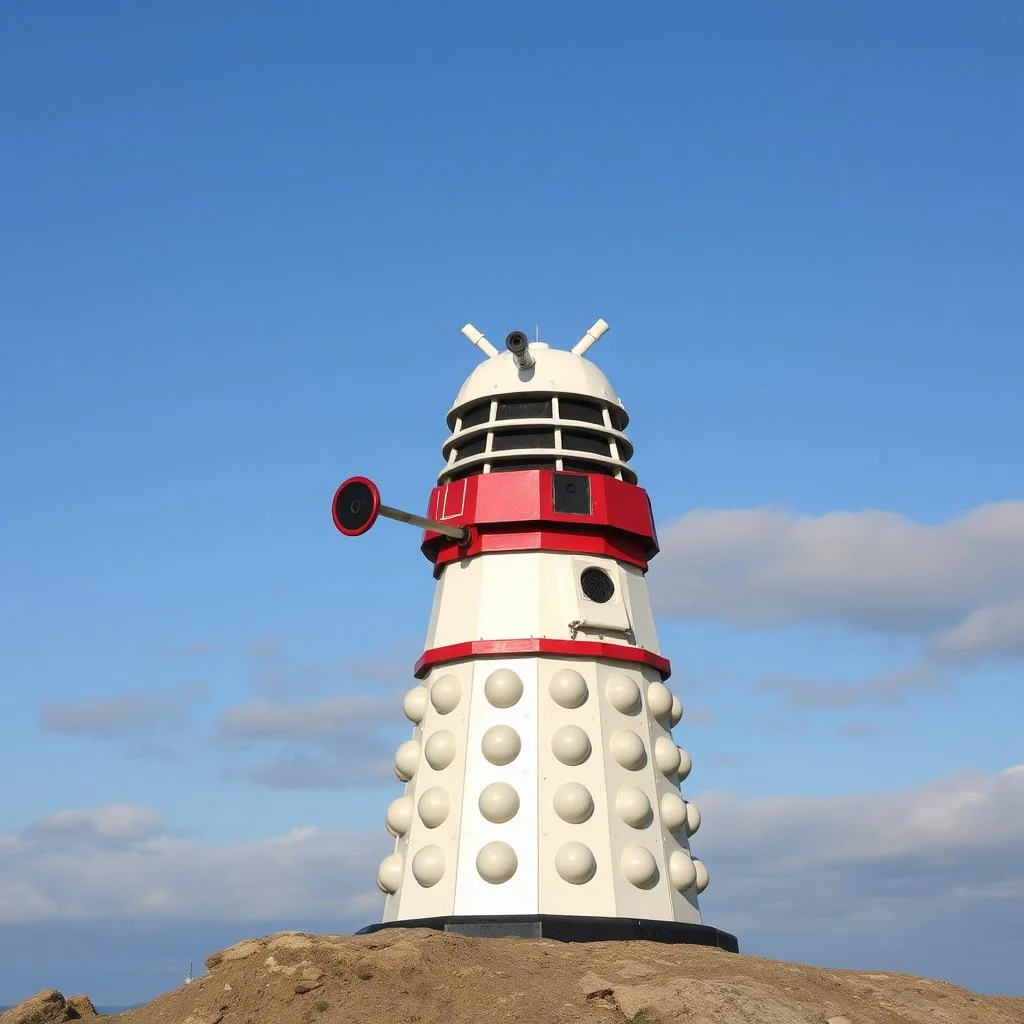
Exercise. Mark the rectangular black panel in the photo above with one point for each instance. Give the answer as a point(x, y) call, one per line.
point(474, 447)
point(579, 409)
point(572, 494)
point(476, 414)
point(514, 465)
point(510, 440)
point(524, 409)
point(577, 441)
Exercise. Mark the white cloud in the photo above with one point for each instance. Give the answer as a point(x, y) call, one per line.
point(120, 716)
point(149, 873)
point(886, 689)
point(20, 902)
point(871, 570)
point(322, 719)
point(278, 675)
point(346, 734)
point(357, 767)
point(875, 879)
point(995, 631)
point(844, 864)
point(959, 822)
point(115, 822)
point(278, 681)
point(393, 665)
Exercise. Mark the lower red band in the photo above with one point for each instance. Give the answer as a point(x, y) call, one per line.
point(590, 649)
point(625, 549)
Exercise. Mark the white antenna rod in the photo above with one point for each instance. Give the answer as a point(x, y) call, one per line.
point(589, 338)
point(480, 341)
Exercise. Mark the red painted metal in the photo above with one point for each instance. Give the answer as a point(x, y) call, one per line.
point(575, 542)
point(590, 649)
point(516, 501)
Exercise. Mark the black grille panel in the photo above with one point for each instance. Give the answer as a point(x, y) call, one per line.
point(476, 414)
point(580, 442)
point(524, 409)
point(509, 465)
point(475, 447)
point(508, 440)
point(580, 409)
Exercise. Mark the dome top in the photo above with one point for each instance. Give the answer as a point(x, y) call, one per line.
point(555, 371)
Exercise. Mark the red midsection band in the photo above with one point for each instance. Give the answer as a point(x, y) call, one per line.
point(625, 549)
point(522, 503)
point(589, 649)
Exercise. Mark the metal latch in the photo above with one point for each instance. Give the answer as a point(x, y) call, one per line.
point(577, 624)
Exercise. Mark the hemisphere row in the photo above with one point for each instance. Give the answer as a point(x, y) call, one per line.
point(499, 802)
point(568, 688)
point(575, 863)
point(570, 744)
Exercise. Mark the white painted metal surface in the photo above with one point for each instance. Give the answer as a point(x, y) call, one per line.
point(565, 801)
point(511, 595)
point(541, 784)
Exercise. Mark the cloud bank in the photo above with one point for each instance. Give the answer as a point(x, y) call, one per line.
point(333, 743)
point(961, 581)
point(925, 880)
point(886, 689)
point(826, 879)
point(121, 862)
point(117, 717)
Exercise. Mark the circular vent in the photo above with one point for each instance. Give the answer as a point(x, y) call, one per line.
point(597, 585)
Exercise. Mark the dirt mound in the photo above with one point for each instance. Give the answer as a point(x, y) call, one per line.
point(409, 976)
point(50, 1006)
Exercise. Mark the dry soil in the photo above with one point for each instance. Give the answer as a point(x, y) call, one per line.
point(406, 976)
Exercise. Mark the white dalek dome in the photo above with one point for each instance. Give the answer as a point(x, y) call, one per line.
point(555, 370)
point(517, 409)
point(542, 781)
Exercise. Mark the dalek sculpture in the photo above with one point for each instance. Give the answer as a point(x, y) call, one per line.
point(542, 782)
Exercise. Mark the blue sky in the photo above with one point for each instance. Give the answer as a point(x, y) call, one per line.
point(238, 246)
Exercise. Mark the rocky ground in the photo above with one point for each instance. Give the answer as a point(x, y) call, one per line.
point(405, 976)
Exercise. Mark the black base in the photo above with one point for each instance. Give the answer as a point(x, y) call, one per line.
point(570, 929)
